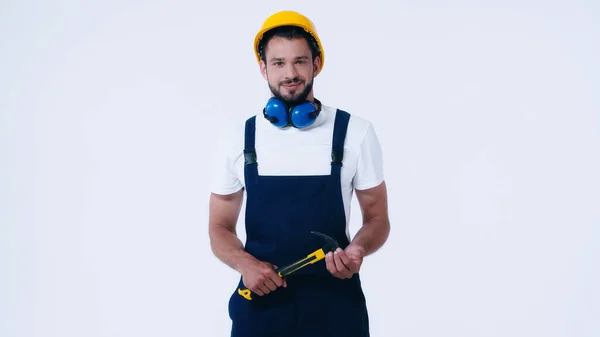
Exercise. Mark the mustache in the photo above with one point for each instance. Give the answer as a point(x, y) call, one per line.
point(292, 81)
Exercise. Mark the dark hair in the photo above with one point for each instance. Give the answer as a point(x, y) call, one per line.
point(288, 32)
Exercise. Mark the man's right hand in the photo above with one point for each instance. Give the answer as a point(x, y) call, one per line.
point(261, 278)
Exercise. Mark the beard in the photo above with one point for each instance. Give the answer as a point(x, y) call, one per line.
point(293, 97)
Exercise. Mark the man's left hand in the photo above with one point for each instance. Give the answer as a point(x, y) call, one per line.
point(344, 263)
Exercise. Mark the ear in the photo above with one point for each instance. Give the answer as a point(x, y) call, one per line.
point(317, 66)
point(263, 69)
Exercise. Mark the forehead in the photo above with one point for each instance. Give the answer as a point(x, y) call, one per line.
point(284, 47)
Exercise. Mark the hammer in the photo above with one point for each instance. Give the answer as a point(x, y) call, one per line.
point(319, 254)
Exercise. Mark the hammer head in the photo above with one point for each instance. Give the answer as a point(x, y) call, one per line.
point(331, 243)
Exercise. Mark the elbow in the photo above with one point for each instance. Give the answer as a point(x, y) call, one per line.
point(386, 229)
point(212, 241)
point(213, 238)
point(219, 236)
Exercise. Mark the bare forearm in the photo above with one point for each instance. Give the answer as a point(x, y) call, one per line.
point(372, 235)
point(228, 248)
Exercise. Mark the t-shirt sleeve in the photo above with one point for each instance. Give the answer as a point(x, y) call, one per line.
point(369, 172)
point(224, 179)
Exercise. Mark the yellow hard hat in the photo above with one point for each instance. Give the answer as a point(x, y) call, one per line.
point(288, 18)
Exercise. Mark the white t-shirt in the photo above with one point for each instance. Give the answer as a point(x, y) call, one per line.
point(307, 151)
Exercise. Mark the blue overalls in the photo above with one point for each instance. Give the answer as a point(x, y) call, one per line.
point(281, 212)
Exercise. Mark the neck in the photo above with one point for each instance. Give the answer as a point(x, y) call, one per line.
point(317, 103)
point(311, 98)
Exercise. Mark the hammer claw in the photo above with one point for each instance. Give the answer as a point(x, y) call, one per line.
point(331, 243)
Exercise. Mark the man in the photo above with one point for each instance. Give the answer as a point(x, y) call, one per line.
point(298, 162)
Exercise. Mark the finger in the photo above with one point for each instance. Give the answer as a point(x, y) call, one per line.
point(329, 264)
point(270, 284)
point(355, 264)
point(258, 291)
point(349, 262)
point(255, 288)
point(276, 279)
point(343, 257)
point(270, 277)
point(264, 289)
point(341, 267)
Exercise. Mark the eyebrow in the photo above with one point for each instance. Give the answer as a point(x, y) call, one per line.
point(273, 59)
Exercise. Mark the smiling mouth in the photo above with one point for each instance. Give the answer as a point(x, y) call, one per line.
point(292, 85)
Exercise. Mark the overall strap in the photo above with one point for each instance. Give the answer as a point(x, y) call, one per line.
point(339, 136)
point(250, 163)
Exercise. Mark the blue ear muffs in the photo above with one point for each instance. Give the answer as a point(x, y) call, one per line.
point(298, 116)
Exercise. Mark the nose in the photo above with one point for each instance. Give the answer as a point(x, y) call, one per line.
point(291, 72)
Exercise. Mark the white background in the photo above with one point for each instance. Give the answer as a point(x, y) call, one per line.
point(488, 114)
